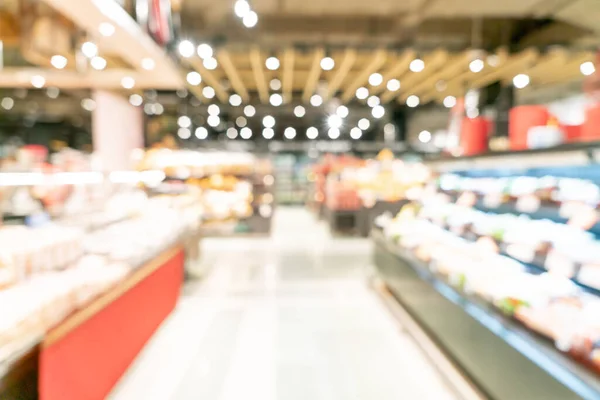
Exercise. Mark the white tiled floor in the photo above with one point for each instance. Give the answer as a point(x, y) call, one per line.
point(285, 318)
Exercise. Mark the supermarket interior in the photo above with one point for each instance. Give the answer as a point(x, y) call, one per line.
point(299, 200)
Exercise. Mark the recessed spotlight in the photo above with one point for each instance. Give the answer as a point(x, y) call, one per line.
point(53, 92)
point(58, 61)
point(106, 29)
point(316, 100)
point(355, 133)
point(493, 60)
point(587, 68)
point(7, 103)
point(268, 121)
point(417, 65)
point(362, 93)
point(241, 8)
point(424, 136)
point(378, 111)
point(333, 133)
point(235, 100)
point(476, 65)
point(184, 133)
point(364, 124)
point(520, 81)
point(412, 101)
point(88, 104)
point(148, 64)
point(389, 129)
point(268, 133)
point(449, 101)
point(246, 133)
point(334, 121)
point(249, 111)
point(241, 121)
point(38, 81)
point(441, 85)
point(128, 82)
point(184, 121)
point(312, 133)
point(158, 109)
point(205, 51)
point(327, 63)
point(375, 79)
point(194, 78)
point(250, 20)
point(136, 100)
point(276, 100)
point(182, 93)
point(213, 109)
point(373, 101)
point(299, 111)
point(393, 85)
point(201, 132)
point(232, 133)
point(98, 63)
point(89, 49)
point(289, 133)
point(275, 84)
point(208, 92)
point(210, 63)
point(342, 111)
point(272, 63)
point(213, 120)
point(186, 48)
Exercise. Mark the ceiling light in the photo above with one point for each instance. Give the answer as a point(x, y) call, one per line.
point(208, 92)
point(250, 20)
point(210, 63)
point(375, 79)
point(136, 100)
point(289, 133)
point(88, 104)
point(38, 81)
point(232, 133)
point(106, 29)
point(355, 133)
point(186, 48)
point(268, 133)
point(275, 84)
point(213, 109)
point(342, 111)
point(184, 133)
point(393, 85)
point(205, 51)
point(53, 92)
point(389, 129)
point(312, 133)
point(362, 93)
point(476, 65)
point(424, 136)
point(246, 133)
point(89, 49)
point(373, 101)
point(520, 81)
point(184, 121)
point(333, 133)
point(449, 101)
point(378, 111)
point(276, 100)
point(148, 64)
point(213, 120)
point(441, 85)
point(268, 121)
point(241, 122)
point(241, 8)
point(98, 63)
point(58, 61)
point(587, 68)
point(249, 111)
point(417, 65)
point(299, 111)
point(493, 60)
point(334, 121)
point(272, 63)
point(327, 63)
point(128, 82)
point(201, 132)
point(149, 108)
point(7, 103)
point(158, 109)
point(316, 100)
point(412, 101)
point(235, 100)
point(194, 78)
point(364, 124)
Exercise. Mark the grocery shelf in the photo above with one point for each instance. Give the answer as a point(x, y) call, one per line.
point(503, 358)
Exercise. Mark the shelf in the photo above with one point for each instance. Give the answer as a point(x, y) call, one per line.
point(483, 342)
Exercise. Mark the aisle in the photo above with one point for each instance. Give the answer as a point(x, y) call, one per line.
point(285, 318)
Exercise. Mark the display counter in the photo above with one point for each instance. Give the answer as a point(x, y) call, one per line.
point(503, 358)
